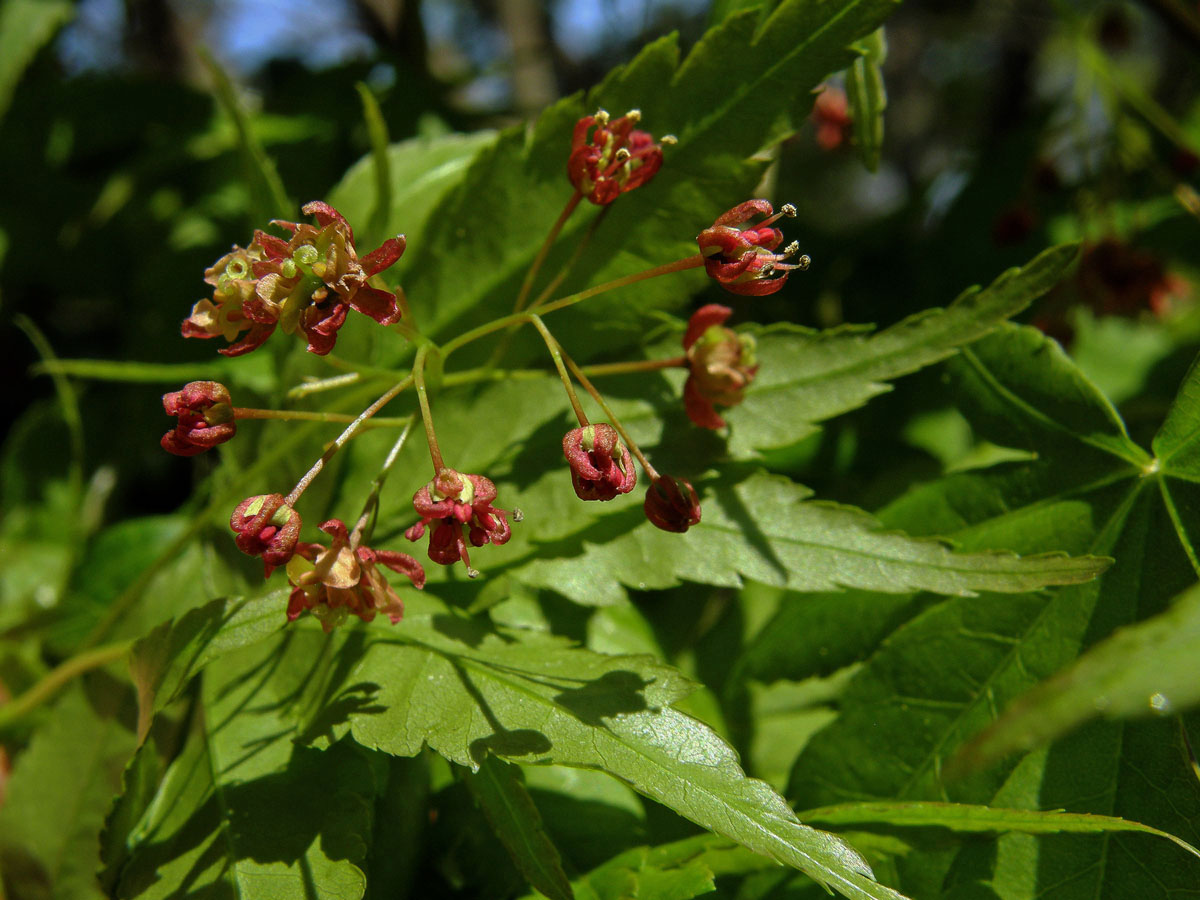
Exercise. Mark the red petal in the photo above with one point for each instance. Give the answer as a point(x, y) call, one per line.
point(703, 319)
point(758, 287)
point(326, 214)
point(699, 408)
point(744, 212)
point(254, 339)
point(379, 305)
point(384, 255)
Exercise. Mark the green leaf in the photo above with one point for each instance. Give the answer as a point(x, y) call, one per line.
point(1177, 444)
point(420, 172)
point(500, 791)
point(954, 666)
point(765, 528)
point(381, 164)
point(806, 377)
point(676, 871)
point(868, 97)
point(60, 792)
point(1145, 669)
point(968, 818)
point(444, 682)
point(165, 660)
point(244, 811)
point(25, 27)
point(270, 199)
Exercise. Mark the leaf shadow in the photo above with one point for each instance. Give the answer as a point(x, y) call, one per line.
point(731, 504)
point(502, 741)
point(241, 821)
point(610, 695)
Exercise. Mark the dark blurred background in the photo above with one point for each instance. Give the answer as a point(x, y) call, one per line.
point(1010, 125)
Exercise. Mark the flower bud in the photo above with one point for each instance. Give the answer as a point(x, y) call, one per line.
point(205, 413)
point(600, 463)
point(266, 527)
point(672, 505)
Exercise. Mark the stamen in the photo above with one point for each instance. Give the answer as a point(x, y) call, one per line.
point(601, 117)
point(518, 515)
point(791, 249)
point(788, 210)
point(472, 573)
point(669, 139)
point(804, 262)
point(767, 270)
point(622, 155)
point(634, 115)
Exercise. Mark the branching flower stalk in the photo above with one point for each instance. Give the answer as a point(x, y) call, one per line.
point(307, 285)
point(345, 437)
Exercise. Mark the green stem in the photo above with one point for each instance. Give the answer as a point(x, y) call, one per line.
point(679, 265)
point(642, 365)
point(342, 439)
point(527, 284)
point(570, 263)
point(362, 529)
point(556, 354)
point(304, 415)
point(651, 472)
point(57, 678)
point(435, 453)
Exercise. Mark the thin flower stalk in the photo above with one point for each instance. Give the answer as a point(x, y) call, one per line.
point(651, 472)
point(543, 252)
point(307, 415)
point(556, 354)
point(467, 337)
point(435, 453)
point(345, 437)
point(366, 521)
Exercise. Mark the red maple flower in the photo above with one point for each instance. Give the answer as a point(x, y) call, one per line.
point(266, 527)
point(205, 413)
point(304, 285)
point(721, 365)
point(600, 463)
point(337, 581)
point(740, 255)
point(613, 158)
point(671, 504)
point(453, 500)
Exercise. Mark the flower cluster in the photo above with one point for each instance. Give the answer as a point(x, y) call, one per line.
point(739, 253)
point(341, 580)
point(305, 285)
point(206, 418)
point(453, 500)
point(610, 157)
point(672, 505)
